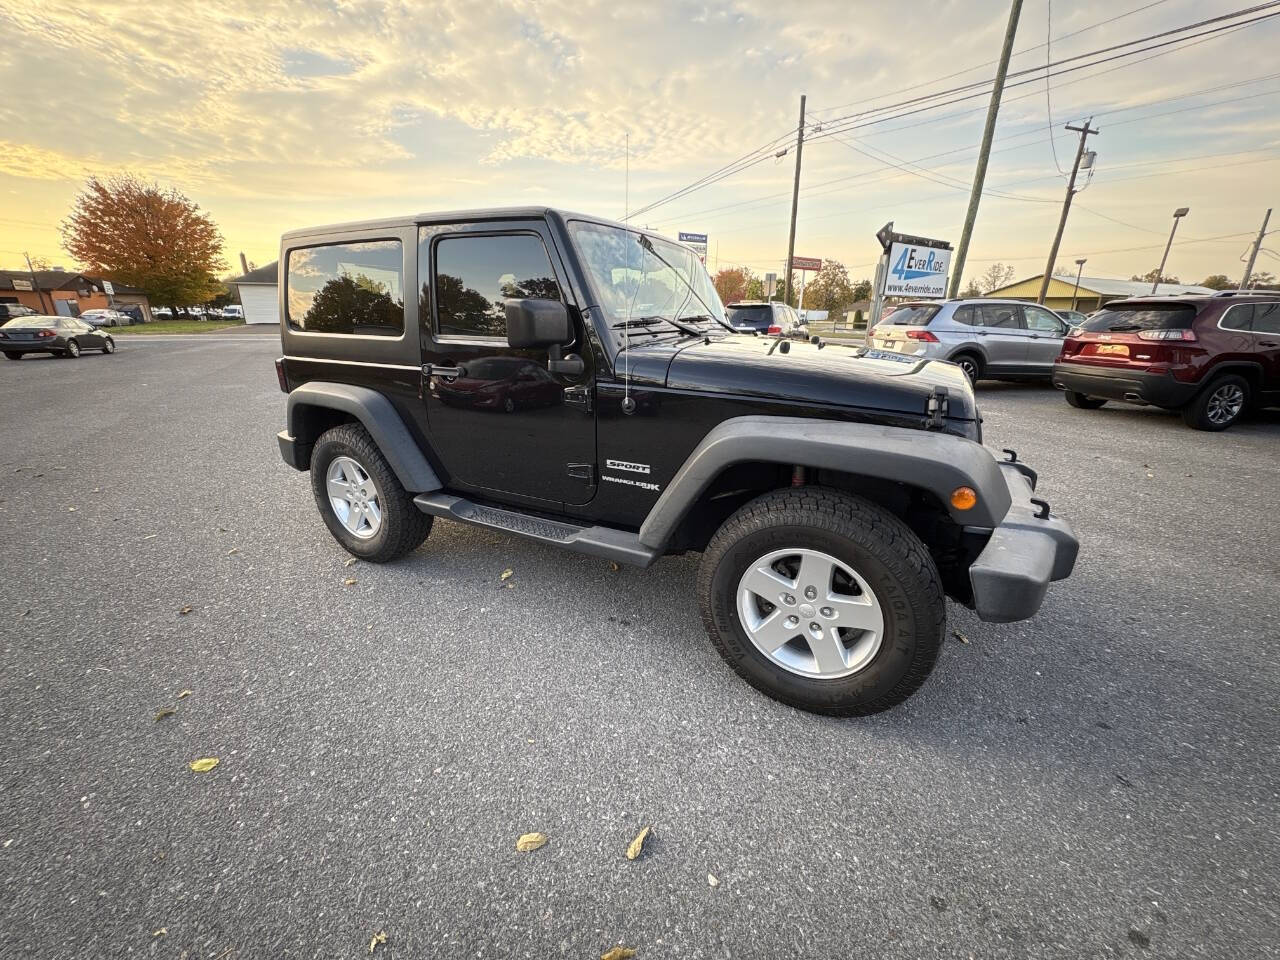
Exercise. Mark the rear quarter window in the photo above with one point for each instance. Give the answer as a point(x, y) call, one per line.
point(912, 316)
point(347, 288)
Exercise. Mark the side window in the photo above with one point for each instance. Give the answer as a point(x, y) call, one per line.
point(1238, 317)
point(998, 315)
point(1266, 318)
point(474, 275)
point(965, 315)
point(347, 288)
point(1042, 321)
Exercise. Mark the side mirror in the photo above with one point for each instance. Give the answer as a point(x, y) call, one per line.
point(537, 323)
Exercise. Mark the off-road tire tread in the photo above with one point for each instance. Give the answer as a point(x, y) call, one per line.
point(858, 520)
point(406, 527)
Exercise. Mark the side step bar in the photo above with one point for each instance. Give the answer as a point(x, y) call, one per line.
point(618, 545)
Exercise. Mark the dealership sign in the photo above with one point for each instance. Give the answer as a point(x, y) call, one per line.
point(806, 263)
point(914, 266)
point(698, 241)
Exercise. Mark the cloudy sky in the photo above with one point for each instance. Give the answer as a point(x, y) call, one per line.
point(274, 115)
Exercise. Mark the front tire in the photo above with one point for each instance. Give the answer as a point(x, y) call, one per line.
point(970, 364)
point(1218, 405)
point(361, 499)
point(845, 594)
point(71, 350)
point(108, 345)
point(1082, 401)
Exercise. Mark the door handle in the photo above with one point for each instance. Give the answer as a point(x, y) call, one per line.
point(1035, 336)
point(435, 370)
point(981, 333)
point(1268, 343)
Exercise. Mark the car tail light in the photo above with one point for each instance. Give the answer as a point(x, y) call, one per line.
point(46, 333)
point(923, 335)
point(281, 377)
point(1166, 335)
point(774, 329)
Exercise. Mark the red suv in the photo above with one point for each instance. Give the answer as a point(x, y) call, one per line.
point(1209, 357)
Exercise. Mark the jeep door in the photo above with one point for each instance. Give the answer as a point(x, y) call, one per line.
point(499, 422)
point(1045, 331)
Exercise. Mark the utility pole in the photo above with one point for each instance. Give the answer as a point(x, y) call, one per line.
point(980, 174)
point(35, 283)
point(1257, 245)
point(1076, 292)
point(244, 264)
point(1177, 215)
point(795, 203)
point(1084, 132)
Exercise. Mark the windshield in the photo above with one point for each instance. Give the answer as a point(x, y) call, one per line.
point(1123, 317)
point(633, 282)
point(758, 317)
point(912, 315)
point(36, 321)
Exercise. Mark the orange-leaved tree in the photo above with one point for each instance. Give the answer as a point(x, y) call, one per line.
point(732, 284)
point(133, 232)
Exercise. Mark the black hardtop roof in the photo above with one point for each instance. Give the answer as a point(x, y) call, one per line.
point(452, 216)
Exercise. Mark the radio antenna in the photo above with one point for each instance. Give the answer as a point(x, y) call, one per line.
point(628, 405)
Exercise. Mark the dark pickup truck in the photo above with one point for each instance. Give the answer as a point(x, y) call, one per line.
point(574, 380)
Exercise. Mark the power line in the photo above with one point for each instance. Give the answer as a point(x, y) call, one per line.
point(1048, 100)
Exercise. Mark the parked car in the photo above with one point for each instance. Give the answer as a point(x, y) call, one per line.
point(769, 318)
point(1209, 357)
point(1073, 318)
point(233, 312)
point(162, 313)
point(836, 499)
point(60, 336)
point(106, 318)
point(989, 339)
point(8, 311)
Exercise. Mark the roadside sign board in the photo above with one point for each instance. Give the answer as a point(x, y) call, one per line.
point(917, 267)
point(770, 285)
point(110, 290)
point(806, 263)
point(22, 285)
point(698, 241)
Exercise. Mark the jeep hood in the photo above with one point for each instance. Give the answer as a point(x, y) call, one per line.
point(838, 375)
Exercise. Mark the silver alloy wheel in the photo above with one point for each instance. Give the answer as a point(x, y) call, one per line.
point(811, 614)
point(354, 497)
point(969, 367)
point(109, 346)
point(73, 348)
point(1225, 403)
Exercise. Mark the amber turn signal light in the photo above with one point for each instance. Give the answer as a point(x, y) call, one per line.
point(963, 498)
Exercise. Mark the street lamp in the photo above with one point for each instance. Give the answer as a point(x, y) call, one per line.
point(1076, 292)
point(1177, 215)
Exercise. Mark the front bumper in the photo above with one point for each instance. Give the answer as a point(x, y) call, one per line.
point(1028, 550)
point(1117, 383)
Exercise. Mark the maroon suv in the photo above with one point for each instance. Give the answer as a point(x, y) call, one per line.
point(1209, 357)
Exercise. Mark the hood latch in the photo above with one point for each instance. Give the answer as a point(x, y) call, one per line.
point(938, 407)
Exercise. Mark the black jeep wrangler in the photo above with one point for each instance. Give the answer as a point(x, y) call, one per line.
point(574, 380)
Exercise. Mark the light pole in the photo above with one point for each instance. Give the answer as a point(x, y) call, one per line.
point(1076, 292)
point(1177, 215)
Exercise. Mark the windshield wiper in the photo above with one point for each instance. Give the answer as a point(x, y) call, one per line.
point(648, 321)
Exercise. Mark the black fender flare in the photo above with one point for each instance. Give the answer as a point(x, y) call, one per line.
point(973, 348)
point(378, 416)
point(936, 462)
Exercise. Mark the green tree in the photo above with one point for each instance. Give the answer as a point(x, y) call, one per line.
point(755, 289)
point(135, 233)
point(830, 290)
point(1217, 281)
point(1151, 277)
point(862, 290)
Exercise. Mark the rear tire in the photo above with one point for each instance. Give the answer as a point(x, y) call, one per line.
point(971, 364)
point(400, 526)
point(1082, 401)
point(108, 345)
point(13, 355)
point(891, 569)
point(72, 349)
point(1218, 405)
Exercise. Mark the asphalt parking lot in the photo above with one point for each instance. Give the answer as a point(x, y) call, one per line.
point(1100, 781)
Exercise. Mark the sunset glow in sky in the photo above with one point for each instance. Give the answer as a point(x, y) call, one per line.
point(274, 115)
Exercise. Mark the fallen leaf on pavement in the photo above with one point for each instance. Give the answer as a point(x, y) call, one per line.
point(618, 953)
point(349, 561)
point(162, 932)
point(712, 880)
point(349, 582)
point(184, 693)
point(959, 636)
point(379, 937)
point(233, 550)
point(530, 841)
point(185, 609)
point(614, 566)
point(204, 765)
point(164, 712)
point(151, 536)
point(507, 574)
point(635, 847)
point(71, 509)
